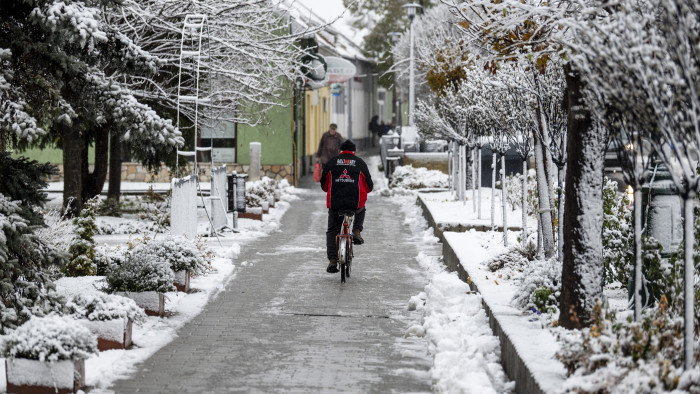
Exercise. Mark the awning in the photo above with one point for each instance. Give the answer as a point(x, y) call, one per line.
point(339, 70)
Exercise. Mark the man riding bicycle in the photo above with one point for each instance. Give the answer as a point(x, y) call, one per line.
point(346, 181)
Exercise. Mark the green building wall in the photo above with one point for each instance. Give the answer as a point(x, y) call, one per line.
point(275, 137)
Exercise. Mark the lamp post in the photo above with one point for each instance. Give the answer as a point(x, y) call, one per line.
point(412, 9)
point(395, 119)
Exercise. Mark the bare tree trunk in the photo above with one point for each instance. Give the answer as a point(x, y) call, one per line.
point(95, 181)
point(115, 167)
point(582, 271)
point(479, 181)
point(524, 203)
point(72, 169)
point(503, 201)
point(493, 190)
point(637, 253)
point(688, 279)
point(545, 209)
point(474, 169)
point(560, 222)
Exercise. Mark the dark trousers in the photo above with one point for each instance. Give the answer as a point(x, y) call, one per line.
point(335, 222)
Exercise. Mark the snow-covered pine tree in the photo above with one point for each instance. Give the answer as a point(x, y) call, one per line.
point(64, 66)
point(25, 260)
point(82, 248)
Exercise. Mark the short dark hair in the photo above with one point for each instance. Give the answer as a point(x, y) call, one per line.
point(333, 126)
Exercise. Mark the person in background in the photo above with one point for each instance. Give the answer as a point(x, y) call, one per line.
point(373, 128)
point(329, 145)
point(346, 181)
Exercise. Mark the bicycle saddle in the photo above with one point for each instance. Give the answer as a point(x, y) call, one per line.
point(343, 213)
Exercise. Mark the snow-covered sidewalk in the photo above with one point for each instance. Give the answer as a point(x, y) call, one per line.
point(528, 348)
point(108, 366)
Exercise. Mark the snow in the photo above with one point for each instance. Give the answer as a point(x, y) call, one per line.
point(154, 332)
point(57, 374)
point(446, 210)
point(466, 353)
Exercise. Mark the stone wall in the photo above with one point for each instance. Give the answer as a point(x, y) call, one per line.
point(135, 172)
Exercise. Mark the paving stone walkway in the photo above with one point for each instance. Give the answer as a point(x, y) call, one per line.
point(285, 325)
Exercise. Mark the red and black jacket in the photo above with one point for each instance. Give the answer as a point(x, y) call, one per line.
point(346, 181)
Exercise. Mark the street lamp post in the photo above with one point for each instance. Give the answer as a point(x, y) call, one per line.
point(395, 119)
point(412, 9)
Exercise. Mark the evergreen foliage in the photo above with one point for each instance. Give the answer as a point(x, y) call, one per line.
point(140, 272)
point(618, 235)
point(181, 254)
point(25, 259)
point(82, 249)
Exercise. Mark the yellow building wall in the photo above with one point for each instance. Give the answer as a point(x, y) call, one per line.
point(318, 117)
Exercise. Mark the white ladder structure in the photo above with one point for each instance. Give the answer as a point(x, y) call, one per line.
point(195, 60)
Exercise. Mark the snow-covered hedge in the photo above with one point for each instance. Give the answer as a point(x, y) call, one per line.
point(407, 177)
point(50, 338)
point(141, 272)
point(181, 254)
point(104, 307)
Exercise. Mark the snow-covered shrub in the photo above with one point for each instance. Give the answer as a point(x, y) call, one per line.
point(50, 338)
point(157, 214)
point(540, 286)
point(140, 272)
point(82, 248)
point(105, 257)
point(102, 306)
point(260, 191)
point(407, 177)
point(514, 191)
point(515, 258)
point(618, 235)
point(57, 230)
point(625, 356)
point(181, 254)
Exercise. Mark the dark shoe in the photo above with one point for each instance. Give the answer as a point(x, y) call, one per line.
point(332, 266)
point(357, 237)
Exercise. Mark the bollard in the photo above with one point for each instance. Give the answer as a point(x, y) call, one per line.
point(255, 161)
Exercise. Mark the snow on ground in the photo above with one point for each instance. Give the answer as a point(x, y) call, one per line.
point(465, 351)
point(108, 366)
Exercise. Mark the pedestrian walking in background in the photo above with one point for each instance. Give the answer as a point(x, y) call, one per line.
point(329, 145)
point(373, 128)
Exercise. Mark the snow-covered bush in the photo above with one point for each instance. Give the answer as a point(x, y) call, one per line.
point(50, 338)
point(540, 286)
point(57, 230)
point(516, 258)
point(625, 356)
point(514, 191)
point(82, 248)
point(181, 254)
point(102, 306)
point(618, 235)
point(259, 192)
point(140, 272)
point(407, 177)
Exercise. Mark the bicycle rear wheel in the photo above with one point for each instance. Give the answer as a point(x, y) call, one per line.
point(343, 268)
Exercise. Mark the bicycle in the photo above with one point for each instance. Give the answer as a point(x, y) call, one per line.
point(344, 243)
